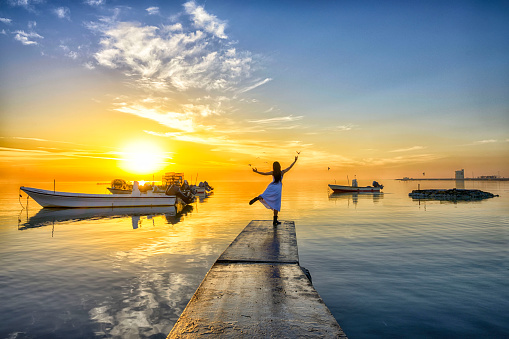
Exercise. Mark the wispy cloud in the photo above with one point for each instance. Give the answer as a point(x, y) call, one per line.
point(27, 4)
point(223, 143)
point(172, 120)
point(180, 56)
point(95, 2)
point(8, 154)
point(288, 118)
point(400, 160)
point(63, 13)
point(482, 142)
point(26, 38)
point(152, 10)
point(5, 20)
point(347, 127)
point(42, 140)
point(257, 84)
point(414, 148)
point(203, 20)
point(179, 60)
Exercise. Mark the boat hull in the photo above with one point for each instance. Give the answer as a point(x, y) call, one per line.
point(350, 189)
point(47, 198)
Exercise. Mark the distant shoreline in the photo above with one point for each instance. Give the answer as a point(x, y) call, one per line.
point(453, 179)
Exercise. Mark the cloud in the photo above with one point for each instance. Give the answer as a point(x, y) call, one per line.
point(153, 10)
point(203, 20)
point(63, 13)
point(43, 140)
point(25, 38)
point(167, 58)
point(5, 20)
point(257, 84)
point(95, 2)
point(223, 143)
point(8, 154)
point(27, 4)
point(73, 55)
point(418, 158)
point(277, 120)
point(414, 148)
point(482, 142)
point(203, 110)
point(176, 121)
point(347, 127)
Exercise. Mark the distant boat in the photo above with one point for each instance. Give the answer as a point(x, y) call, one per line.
point(202, 189)
point(47, 198)
point(355, 188)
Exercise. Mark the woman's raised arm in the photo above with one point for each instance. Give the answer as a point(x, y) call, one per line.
point(289, 167)
point(262, 173)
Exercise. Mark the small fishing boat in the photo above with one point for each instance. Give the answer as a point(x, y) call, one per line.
point(47, 198)
point(356, 188)
point(202, 189)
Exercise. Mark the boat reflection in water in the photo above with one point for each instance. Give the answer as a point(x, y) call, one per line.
point(355, 196)
point(45, 216)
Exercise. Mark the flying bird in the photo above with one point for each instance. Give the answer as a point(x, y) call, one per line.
point(298, 152)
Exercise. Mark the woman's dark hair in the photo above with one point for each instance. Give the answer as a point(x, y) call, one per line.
point(276, 167)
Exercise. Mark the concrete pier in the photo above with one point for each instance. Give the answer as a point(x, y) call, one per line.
point(256, 289)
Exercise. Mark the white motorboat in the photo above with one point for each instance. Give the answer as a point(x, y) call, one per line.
point(47, 198)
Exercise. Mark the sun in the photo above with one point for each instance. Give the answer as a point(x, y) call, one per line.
point(142, 157)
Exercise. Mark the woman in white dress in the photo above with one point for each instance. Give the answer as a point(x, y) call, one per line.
point(271, 197)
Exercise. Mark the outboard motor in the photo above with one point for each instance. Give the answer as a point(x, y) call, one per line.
point(175, 190)
point(172, 190)
point(208, 187)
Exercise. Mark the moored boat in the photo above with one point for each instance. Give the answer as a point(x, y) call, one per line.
point(356, 188)
point(202, 189)
point(47, 198)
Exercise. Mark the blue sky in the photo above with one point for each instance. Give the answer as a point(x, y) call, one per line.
point(395, 86)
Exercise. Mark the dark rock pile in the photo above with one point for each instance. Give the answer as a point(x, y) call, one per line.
point(452, 194)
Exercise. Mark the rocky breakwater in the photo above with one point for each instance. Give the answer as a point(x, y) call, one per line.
point(451, 194)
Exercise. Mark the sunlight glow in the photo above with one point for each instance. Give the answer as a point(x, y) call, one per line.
point(142, 157)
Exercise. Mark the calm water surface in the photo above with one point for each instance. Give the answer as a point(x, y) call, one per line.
point(387, 266)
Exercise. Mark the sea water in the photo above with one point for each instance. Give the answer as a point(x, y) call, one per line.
point(387, 266)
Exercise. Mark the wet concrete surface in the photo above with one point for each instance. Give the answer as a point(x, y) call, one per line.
point(256, 289)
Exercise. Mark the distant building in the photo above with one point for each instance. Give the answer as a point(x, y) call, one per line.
point(460, 175)
point(488, 177)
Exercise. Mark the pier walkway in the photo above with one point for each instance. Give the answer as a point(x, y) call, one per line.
point(256, 289)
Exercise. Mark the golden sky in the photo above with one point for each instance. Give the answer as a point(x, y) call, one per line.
point(97, 91)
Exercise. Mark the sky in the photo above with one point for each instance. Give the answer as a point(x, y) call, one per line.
point(104, 89)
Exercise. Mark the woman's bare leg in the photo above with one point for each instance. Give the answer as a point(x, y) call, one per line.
point(275, 222)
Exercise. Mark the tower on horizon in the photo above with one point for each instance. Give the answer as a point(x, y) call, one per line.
point(460, 175)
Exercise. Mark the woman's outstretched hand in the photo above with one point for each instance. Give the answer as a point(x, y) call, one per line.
point(296, 157)
point(254, 169)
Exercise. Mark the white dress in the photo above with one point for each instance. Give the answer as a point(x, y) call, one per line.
point(272, 195)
